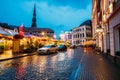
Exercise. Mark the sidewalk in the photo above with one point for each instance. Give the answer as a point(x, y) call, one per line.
point(96, 67)
point(7, 55)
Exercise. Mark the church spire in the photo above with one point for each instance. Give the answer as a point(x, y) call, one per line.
point(34, 17)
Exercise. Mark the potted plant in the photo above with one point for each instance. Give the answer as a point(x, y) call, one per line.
point(1, 48)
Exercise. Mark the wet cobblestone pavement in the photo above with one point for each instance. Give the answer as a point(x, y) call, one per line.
point(59, 66)
point(69, 65)
point(96, 67)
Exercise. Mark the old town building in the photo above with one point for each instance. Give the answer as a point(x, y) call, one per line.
point(97, 23)
point(106, 25)
point(66, 37)
point(82, 33)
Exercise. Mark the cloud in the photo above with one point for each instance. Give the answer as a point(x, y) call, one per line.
point(55, 14)
point(66, 17)
point(78, 4)
point(62, 14)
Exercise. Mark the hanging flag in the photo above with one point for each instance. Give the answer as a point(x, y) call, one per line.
point(21, 30)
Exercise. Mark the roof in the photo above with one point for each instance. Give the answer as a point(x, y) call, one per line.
point(39, 29)
point(5, 25)
point(88, 23)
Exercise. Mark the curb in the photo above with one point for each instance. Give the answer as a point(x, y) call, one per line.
point(17, 57)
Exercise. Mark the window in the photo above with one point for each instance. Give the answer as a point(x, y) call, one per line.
point(74, 42)
point(119, 38)
point(83, 34)
point(78, 35)
point(80, 29)
point(83, 29)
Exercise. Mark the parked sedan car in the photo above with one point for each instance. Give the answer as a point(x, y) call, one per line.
point(73, 46)
point(47, 49)
point(62, 47)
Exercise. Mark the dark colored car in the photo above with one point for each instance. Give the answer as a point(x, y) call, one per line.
point(62, 47)
point(73, 46)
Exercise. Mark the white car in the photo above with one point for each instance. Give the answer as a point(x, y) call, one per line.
point(47, 49)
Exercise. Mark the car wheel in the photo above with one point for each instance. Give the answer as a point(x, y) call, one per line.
point(55, 51)
point(48, 51)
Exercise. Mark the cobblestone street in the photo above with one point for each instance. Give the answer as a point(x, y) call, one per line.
point(58, 66)
point(77, 64)
point(96, 67)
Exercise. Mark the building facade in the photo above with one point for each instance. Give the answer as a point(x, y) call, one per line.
point(111, 22)
point(82, 33)
point(66, 37)
point(97, 23)
point(106, 16)
point(40, 32)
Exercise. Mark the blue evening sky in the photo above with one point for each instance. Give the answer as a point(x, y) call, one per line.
point(59, 15)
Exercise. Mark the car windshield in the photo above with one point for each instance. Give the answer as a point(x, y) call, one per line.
point(60, 45)
point(73, 45)
point(48, 46)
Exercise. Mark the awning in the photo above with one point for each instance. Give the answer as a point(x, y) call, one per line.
point(11, 33)
point(3, 32)
point(8, 34)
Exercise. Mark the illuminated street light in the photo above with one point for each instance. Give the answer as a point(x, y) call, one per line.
point(54, 36)
point(99, 30)
point(43, 33)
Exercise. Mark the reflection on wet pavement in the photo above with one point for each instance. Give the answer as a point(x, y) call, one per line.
point(74, 64)
point(88, 50)
point(58, 66)
point(6, 54)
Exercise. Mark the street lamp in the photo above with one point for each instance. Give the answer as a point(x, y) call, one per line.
point(43, 33)
point(99, 30)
